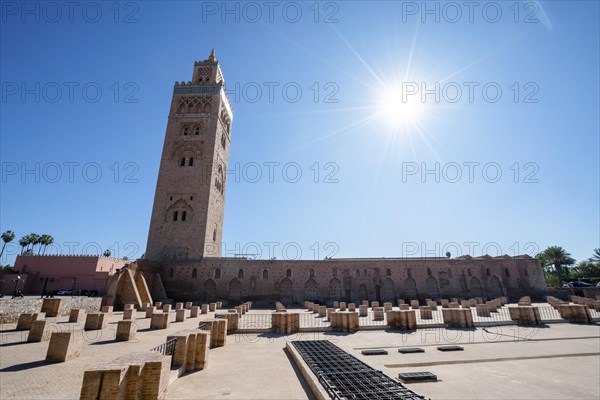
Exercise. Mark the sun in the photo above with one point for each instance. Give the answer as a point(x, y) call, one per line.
point(399, 108)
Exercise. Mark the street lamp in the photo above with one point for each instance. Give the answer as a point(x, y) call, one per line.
point(16, 281)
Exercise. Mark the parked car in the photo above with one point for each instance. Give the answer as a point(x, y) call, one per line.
point(579, 284)
point(65, 292)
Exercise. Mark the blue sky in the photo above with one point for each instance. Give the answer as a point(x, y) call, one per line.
point(86, 93)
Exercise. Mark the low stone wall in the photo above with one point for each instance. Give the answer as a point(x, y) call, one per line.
point(10, 309)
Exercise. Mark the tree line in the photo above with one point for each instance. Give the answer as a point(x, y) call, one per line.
point(557, 263)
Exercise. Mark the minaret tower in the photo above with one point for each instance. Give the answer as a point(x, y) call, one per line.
point(187, 216)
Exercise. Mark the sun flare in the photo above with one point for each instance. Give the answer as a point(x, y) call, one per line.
point(398, 109)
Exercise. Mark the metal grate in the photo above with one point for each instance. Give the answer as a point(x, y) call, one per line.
point(166, 349)
point(374, 352)
point(346, 377)
point(450, 348)
point(417, 377)
point(408, 350)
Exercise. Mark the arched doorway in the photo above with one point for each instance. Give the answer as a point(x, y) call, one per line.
point(285, 292)
point(495, 288)
point(389, 294)
point(335, 289)
point(475, 289)
point(235, 290)
point(433, 291)
point(210, 291)
point(310, 290)
point(410, 289)
point(362, 293)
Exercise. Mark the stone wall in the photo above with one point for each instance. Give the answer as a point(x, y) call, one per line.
point(352, 280)
point(10, 309)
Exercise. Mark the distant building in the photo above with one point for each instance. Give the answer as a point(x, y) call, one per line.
point(85, 273)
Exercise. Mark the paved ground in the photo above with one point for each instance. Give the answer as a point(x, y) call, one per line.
point(559, 361)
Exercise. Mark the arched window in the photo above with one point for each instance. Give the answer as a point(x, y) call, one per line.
point(365, 273)
point(182, 163)
point(526, 271)
point(194, 273)
point(312, 272)
point(449, 273)
point(334, 272)
point(469, 271)
point(186, 130)
point(488, 272)
point(428, 271)
point(507, 272)
point(241, 274)
point(388, 272)
point(265, 274)
point(197, 130)
point(218, 273)
point(171, 272)
point(191, 161)
point(183, 215)
point(288, 273)
point(175, 215)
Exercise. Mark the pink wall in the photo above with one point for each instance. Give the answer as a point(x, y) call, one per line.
point(64, 272)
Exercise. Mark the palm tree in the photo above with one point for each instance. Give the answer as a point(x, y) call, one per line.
point(46, 240)
point(24, 241)
point(558, 258)
point(7, 237)
point(34, 239)
point(596, 256)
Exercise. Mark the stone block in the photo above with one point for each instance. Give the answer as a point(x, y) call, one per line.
point(472, 303)
point(285, 323)
point(158, 304)
point(62, 347)
point(404, 307)
point(400, 302)
point(128, 307)
point(387, 306)
point(194, 311)
point(336, 304)
point(458, 317)
point(445, 303)
point(345, 321)
point(128, 314)
point(433, 305)
point(479, 300)
point(188, 305)
point(454, 300)
point(378, 313)
point(525, 315)
point(76, 314)
point(202, 346)
point(25, 320)
point(426, 312)
point(525, 301)
point(219, 305)
point(232, 321)
point(212, 307)
point(453, 304)
point(40, 331)
point(322, 311)
point(95, 321)
point(577, 313)
point(365, 303)
point(218, 331)
point(204, 308)
point(180, 315)
point(351, 307)
point(166, 308)
point(374, 304)
point(150, 311)
point(363, 310)
point(51, 307)
point(178, 306)
point(342, 306)
point(402, 319)
point(107, 310)
point(160, 321)
point(414, 304)
point(483, 310)
point(465, 304)
point(126, 330)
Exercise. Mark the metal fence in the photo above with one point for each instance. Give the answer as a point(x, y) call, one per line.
point(166, 349)
point(309, 321)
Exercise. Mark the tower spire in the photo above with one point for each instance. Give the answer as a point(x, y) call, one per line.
point(211, 58)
